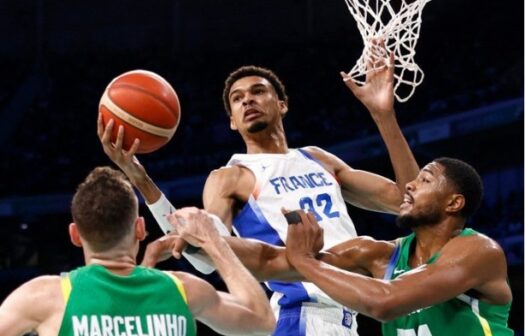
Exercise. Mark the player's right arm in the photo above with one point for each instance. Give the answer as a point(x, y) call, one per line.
point(461, 266)
point(269, 262)
point(245, 309)
point(36, 305)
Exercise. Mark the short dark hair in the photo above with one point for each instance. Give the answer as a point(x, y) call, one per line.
point(252, 70)
point(467, 182)
point(104, 208)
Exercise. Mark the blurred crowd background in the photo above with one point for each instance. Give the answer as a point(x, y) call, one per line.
point(57, 58)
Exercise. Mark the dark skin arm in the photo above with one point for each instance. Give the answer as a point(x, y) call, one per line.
point(269, 262)
point(462, 266)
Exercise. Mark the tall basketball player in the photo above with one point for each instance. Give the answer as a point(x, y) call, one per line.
point(247, 194)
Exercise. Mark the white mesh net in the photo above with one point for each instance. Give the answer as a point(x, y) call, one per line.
point(398, 25)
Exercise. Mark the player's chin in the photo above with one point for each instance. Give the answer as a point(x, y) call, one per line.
point(257, 126)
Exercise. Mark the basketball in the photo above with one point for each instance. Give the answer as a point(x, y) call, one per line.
point(146, 105)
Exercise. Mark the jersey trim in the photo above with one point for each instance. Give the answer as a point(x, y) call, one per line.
point(179, 285)
point(65, 285)
point(310, 157)
point(393, 261)
point(474, 303)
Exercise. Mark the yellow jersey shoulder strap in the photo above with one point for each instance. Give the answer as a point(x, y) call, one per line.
point(178, 284)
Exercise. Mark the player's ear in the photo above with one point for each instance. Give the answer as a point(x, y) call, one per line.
point(283, 107)
point(455, 204)
point(74, 235)
point(233, 125)
point(140, 229)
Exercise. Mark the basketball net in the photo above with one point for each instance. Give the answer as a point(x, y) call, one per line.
point(399, 29)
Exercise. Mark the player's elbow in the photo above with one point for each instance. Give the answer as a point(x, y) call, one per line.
point(268, 324)
point(264, 324)
point(383, 309)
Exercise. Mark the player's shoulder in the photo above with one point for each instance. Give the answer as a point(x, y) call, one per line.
point(475, 244)
point(45, 287)
point(315, 151)
point(327, 158)
point(376, 247)
point(226, 176)
point(366, 246)
point(193, 285)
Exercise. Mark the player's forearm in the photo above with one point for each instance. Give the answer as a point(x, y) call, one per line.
point(360, 293)
point(241, 284)
point(264, 261)
point(148, 189)
point(404, 164)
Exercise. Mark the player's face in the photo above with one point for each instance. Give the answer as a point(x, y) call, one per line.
point(254, 105)
point(425, 198)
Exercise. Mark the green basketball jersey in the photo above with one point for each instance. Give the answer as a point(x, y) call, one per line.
point(147, 302)
point(463, 315)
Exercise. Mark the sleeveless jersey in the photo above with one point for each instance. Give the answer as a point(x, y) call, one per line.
point(463, 315)
point(147, 302)
point(292, 181)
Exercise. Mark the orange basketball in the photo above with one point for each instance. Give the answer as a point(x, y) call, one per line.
point(146, 105)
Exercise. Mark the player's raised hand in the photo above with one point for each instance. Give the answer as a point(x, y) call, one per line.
point(377, 94)
point(126, 160)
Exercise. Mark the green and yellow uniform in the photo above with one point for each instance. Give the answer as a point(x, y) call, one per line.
point(147, 302)
point(463, 315)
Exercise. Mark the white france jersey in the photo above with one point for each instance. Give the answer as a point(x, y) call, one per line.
point(292, 181)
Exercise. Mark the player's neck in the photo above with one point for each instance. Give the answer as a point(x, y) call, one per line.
point(429, 240)
point(118, 262)
point(266, 141)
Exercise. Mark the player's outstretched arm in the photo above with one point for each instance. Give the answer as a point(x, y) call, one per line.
point(246, 307)
point(462, 266)
point(35, 306)
point(360, 188)
point(377, 94)
point(269, 262)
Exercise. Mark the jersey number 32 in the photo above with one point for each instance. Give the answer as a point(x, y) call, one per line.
point(321, 205)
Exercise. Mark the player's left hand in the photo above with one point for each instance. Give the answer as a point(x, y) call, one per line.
point(377, 94)
point(304, 239)
point(161, 249)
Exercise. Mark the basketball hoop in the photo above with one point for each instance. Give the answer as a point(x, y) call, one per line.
point(399, 28)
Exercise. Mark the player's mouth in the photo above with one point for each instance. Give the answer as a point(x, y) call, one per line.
point(408, 200)
point(251, 114)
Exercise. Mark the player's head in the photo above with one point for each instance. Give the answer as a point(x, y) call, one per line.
point(253, 97)
point(104, 210)
point(444, 188)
